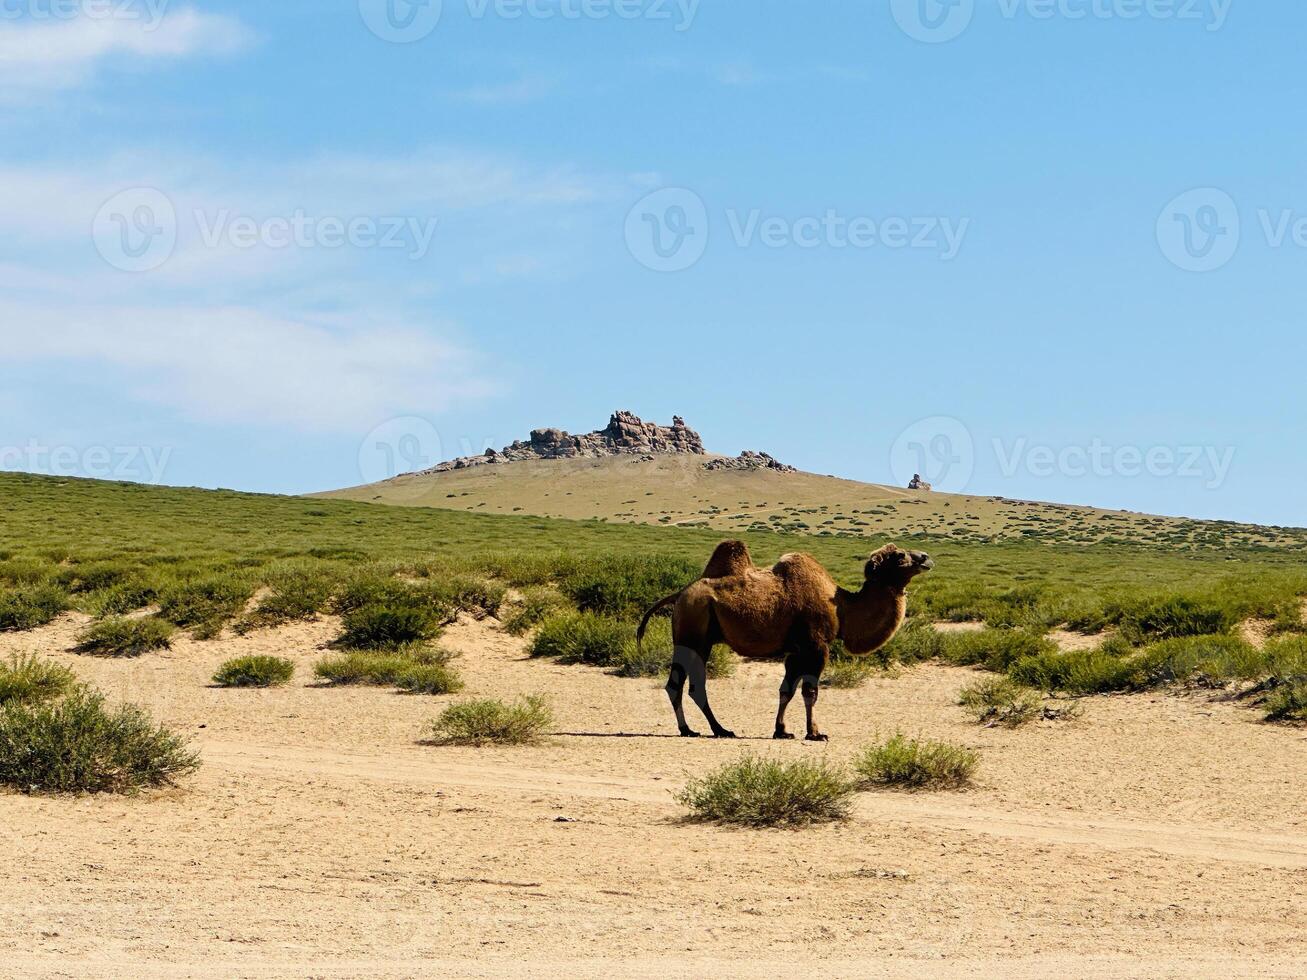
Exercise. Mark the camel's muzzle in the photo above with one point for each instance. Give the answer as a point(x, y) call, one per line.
point(923, 561)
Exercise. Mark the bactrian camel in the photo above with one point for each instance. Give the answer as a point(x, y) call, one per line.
point(793, 610)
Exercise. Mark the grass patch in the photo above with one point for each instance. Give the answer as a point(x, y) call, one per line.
point(255, 671)
point(28, 679)
point(295, 596)
point(388, 627)
point(28, 607)
point(759, 792)
point(536, 604)
point(584, 638)
point(79, 745)
point(491, 722)
point(207, 604)
point(429, 678)
point(118, 637)
point(378, 667)
point(845, 671)
point(1287, 702)
point(627, 585)
point(1001, 701)
point(916, 764)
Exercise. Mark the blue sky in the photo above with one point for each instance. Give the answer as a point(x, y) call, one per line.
point(1049, 249)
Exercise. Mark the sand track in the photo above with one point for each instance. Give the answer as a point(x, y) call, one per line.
point(1158, 836)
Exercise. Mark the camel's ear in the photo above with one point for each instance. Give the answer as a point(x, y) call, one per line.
point(886, 557)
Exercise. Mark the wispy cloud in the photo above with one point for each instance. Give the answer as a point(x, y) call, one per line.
point(244, 366)
point(47, 56)
point(529, 88)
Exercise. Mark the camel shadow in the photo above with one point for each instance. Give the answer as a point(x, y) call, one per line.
point(707, 738)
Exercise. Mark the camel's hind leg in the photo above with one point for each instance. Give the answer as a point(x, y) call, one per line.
point(789, 685)
point(689, 665)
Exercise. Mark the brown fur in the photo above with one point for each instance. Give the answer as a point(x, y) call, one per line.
point(793, 609)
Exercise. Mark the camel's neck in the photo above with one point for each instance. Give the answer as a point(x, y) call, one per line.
point(870, 618)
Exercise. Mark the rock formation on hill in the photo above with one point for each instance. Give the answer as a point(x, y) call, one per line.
point(626, 433)
point(748, 460)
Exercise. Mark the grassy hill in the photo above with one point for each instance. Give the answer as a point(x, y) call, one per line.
point(680, 491)
point(87, 539)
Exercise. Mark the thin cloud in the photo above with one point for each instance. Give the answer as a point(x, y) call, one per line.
point(243, 366)
point(531, 88)
point(41, 57)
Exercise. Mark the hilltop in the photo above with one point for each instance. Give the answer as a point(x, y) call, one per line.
point(642, 473)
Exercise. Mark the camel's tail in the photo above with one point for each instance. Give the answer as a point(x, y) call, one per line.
point(644, 623)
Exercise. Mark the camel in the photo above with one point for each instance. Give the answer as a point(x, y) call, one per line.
point(793, 610)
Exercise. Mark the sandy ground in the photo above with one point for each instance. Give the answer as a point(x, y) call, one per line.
point(1156, 836)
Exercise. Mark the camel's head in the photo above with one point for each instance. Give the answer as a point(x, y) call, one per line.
point(892, 565)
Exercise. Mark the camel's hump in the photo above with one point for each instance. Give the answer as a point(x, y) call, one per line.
point(729, 558)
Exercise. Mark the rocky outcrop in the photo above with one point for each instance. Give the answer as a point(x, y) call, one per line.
point(748, 460)
point(625, 433)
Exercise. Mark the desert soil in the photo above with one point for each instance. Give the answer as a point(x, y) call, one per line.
point(1155, 836)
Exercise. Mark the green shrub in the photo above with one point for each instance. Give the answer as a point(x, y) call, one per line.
point(1220, 658)
point(466, 593)
point(125, 597)
point(583, 637)
point(78, 745)
point(433, 678)
point(29, 679)
point(205, 605)
point(915, 764)
point(1077, 672)
point(491, 722)
point(94, 577)
point(653, 658)
point(844, 670)
point(377, 667)
point(1001, 701)
point(28, 607)
point(118, 637)
point(382, 627)
point(1288, 702)
point(536, 604)
point(916, 642)
point(758, 792)
point(627, 585)
point(995, 649)
point(294, 596)
point(1171, 616)
point(254, 671)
